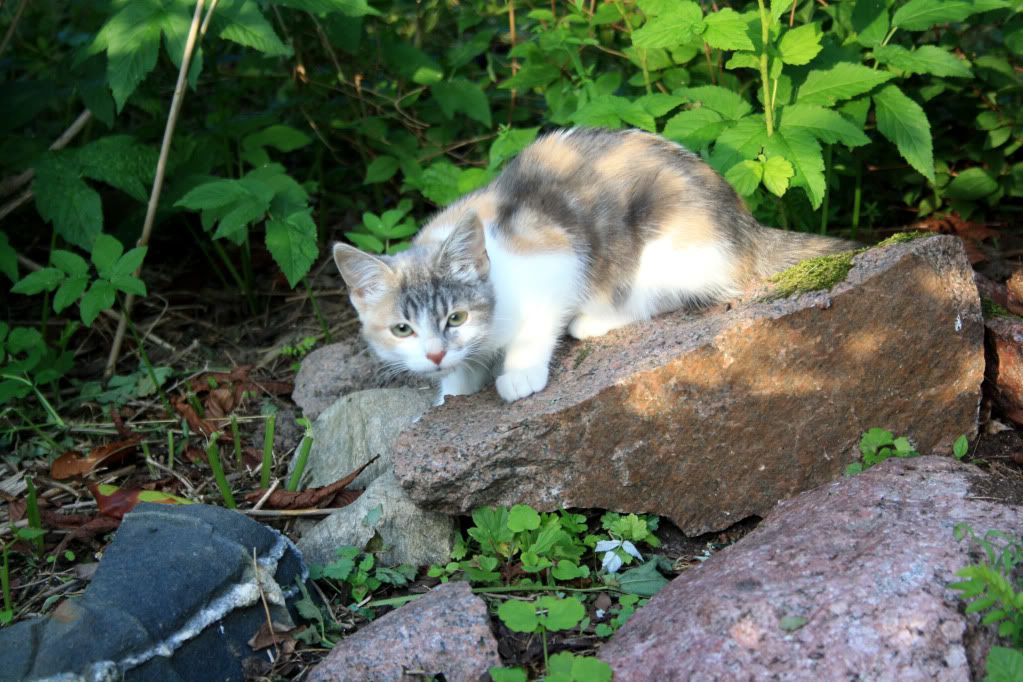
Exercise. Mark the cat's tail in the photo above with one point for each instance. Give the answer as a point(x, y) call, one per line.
point(775, 250)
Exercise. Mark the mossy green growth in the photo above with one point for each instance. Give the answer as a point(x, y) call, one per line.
point(824, 272)
point(991, 309)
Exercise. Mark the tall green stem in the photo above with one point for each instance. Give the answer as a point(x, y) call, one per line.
point(765, 34)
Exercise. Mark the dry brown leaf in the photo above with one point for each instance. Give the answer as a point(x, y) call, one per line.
point(72, 464)
point(311, 498)
point(279, 635)
point(195, 422)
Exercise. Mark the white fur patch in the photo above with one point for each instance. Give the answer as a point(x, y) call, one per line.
point(669, 276)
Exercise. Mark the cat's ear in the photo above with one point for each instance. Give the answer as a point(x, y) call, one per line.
point(367, 276)
point(464, 252)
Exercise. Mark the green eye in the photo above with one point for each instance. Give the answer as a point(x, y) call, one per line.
point(457, 318)
point(401, 330)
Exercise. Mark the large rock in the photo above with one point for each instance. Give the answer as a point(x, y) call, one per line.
point(1004, 342)
point(849, 581)
point(446, 633)
point(709, 419)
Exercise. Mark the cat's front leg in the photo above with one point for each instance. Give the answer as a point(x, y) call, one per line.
point(465, 379)
point(527, 364)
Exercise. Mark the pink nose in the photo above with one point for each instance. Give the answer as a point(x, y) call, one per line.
point(435, 358)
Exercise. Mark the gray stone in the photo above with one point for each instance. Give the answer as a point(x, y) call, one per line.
point(708, 419)
point(410, 535)
point(338, 369)
point(849, 581)
point(446, 632)
point(176, 597)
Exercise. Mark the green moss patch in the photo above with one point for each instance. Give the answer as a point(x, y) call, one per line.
point(991, 309)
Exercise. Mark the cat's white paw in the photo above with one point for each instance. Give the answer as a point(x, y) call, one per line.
point(520, 383)
point(462, 381)
point(584, 326)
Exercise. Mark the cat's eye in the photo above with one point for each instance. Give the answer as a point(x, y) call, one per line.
point(457, 318)
point(401, 330)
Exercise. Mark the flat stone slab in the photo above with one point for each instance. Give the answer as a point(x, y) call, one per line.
point(445, 633)
point(846, 582)
point(709, 419)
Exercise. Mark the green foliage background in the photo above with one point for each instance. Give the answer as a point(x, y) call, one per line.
point(306, 120)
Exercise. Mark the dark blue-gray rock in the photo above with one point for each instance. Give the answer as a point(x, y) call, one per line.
point(176, 597)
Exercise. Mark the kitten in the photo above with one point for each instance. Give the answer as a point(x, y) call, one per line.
point(587, 229)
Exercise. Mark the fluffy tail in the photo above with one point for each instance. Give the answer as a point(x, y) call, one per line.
point(776, 249)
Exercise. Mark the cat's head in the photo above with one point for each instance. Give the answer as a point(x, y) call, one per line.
point(427, 309)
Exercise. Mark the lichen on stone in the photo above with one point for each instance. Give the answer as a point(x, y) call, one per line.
point(899, 238)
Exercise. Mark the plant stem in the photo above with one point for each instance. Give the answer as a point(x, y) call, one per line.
point(268, 451)
point(543, 638)
point(316, 310)
point(213, 456)
point(5, 583)
point(303, 455)
point(170, 449)
point(237, 440)
point(827, 188)
point(57, 421)
point(765, 33)
point(32, 512)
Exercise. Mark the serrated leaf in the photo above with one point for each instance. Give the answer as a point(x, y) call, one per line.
point(70, 290)
point(920, 15)
point(292, 243)
point(800, 45)
point(1004, 665)
point(743, 60)
point(39, 281)
point(744, 140)
point(902, 121)
point(801, 149)
point(131, 261)
point(777, 174)
point(106, 250)
point(70, 263)
point(972, 184)
point(380, 169)
point(64, 200)
point(726, 30)
point(439, 183)
point(350, 8)
point(870, 21)
point(461, 95)
point(131, 39)
point(778, 9)
point(677, 25)
point(609, 111)
point(509, 143)
point(8, 260)
point(100, 296)
point(827, 125)
point(745, 176)
point(243, 23)
point(283, 138)
point(366, 242)
point(726, 102)
point(233, 223)
point(212, 194)
point(120, 161)
point(924, 59)
point(659, 103)
point(695, 128)
point(842, 81)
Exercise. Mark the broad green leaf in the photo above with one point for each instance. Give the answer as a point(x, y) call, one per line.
point(366, 242)
point(106, 250)
point(63, 199)
point(902, 121)
point(350, 8)
point(523, 517)
point(695, 128)
point(129, 284)
point(645, 580)
point(131, 261)
point(233, 223)
point(920, 15)
point(281, 137)
point(176, 24)
point(961, 446)
point(591, 669)
point(380, 169)
point(439, 182)
point(610, 111)
point(778, 9)
point(461, 95)
point(70, 263)
point(120, 161)
point(827, 125)
point(728, 103)
point(292, 243)
point(511, 674)
point(658, 104)
point(213, 194)
point(531, 75)
point(777, 174)
point(473, 178)
point(99, 297)
point(8, 259)
point(742, 141)
point(726, 30)
point(971, 184)
point(519, 616)
point(131, 39)
point(924, 59)
point(69, 292)
point(39, 281)
point(745, 176)
point(743, 60)
point(509, 143)
point(242, 22)
point(562, 614)
point(842, 81)
point(870, 21)
point(677, 25)
point(1004, 665)
point(801, 149)
point(800, 45)
point(465, 51)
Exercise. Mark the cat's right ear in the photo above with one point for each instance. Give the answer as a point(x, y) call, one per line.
point(367, 276)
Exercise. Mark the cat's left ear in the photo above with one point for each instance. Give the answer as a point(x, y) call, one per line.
point(464, 252)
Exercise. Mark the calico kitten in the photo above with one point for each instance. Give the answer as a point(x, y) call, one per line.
point(586, 229)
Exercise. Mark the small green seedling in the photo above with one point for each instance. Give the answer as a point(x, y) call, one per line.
point(877, 445)
point(303, 455)
point(960, 447)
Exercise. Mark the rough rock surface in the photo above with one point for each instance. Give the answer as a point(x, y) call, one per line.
point(176, 597)
point(338, 369)
point(446, 632)
point(1004, 371)
point(409, 534)
point(710, 419)
point(844, 582)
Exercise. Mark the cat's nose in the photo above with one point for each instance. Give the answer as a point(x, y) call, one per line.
point(435, 358)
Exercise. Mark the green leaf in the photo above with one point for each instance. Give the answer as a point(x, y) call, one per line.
point(461, 95)
point(39, 281)
point(609, 111)
point(243, 23)
point(644, 580)
point(106, 250)
point(380, 169)
point(801, 149)
point(920, 15)
point(744, 140)
point(695, 128)
point(870, 21)
point(726, 102)
point(562, 614)
point(519, 616)
point(961, 447)
point(902, 121)
point(1004, 665)
point(292, 243)
point(800, 45)
point(8, 259)
point(659, 103)
point(70, 263)
point(213, 194)
point(131, 39)
point(745, 176)
point(875, 438)
point(131, 261)
point(678, 25)
point(120, 161)
point(129, 284)
point(842, 81)
point(726, 30)
point(233, 223)
point(439, 182)
point(792, 623)
point(777, 173)
point(972, 184)
point(70, 290)
point(350, 8)
point(99, 297)
point(509, 143)
point(778, 9)
point(925, 59)
point(826, 125)
point(523, 517)
point(590, 669)
point(510, 674)
point(281, 137)
point(366, 242)
point(743, 60)
point(64, 200)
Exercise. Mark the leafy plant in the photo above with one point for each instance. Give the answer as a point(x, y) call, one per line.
point(360, 574)
point(960, 447)
point(877, 445)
